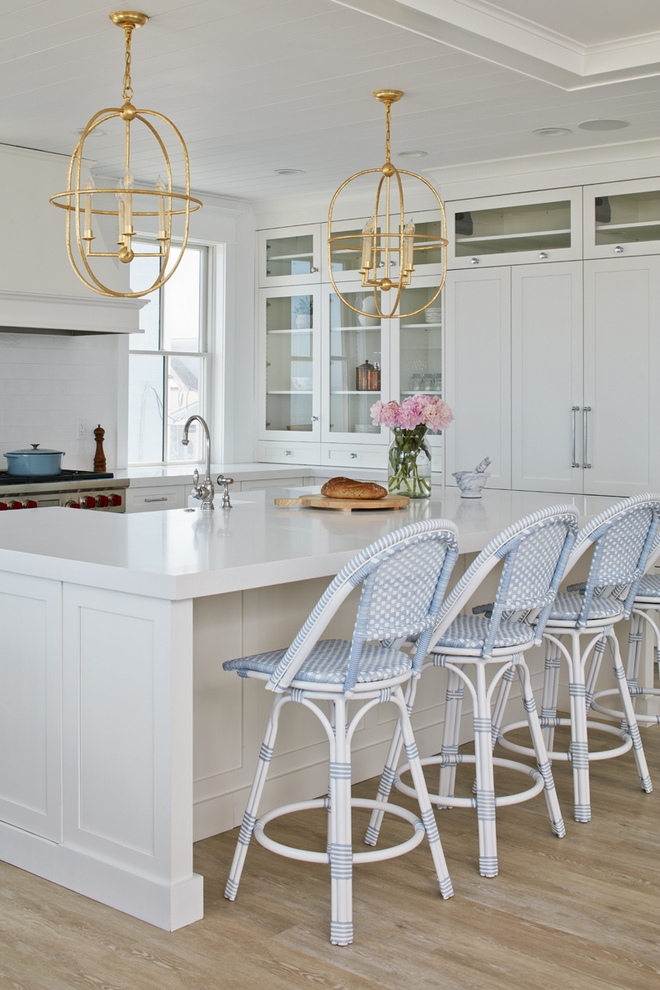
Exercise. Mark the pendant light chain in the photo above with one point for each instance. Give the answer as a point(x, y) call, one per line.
point(388, 109)
point(127, 94)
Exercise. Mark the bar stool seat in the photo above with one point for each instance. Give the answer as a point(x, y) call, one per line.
point(403, 579)
point(470, 632)
point(569, 605)
point(326, 664)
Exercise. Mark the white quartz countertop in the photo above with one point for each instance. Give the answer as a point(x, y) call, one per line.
point(178, 553)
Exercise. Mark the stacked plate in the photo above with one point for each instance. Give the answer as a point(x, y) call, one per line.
point(433, 314)
point(366, 428)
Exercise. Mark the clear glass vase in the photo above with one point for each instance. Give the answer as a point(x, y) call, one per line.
point(409, 464)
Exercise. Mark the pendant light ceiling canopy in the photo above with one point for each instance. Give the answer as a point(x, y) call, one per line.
point(117, 214)
point(389, 243)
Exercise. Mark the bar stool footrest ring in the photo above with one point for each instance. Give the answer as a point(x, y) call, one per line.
point(555, 756)
point(503, 801)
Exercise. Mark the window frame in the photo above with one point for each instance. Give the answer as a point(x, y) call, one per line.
point(213, 263)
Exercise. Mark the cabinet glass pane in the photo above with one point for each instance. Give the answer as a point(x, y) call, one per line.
point(536, 227)
point(355, 356)
point(290, 255)
point(289, 360)
point(420, 359)
point(629, 219)
point(346, 256)
point(431, 255)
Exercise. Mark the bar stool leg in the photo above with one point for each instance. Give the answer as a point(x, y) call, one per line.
point(341, 842)
point(579, 747)
point(501, 701)
point(629, 711)
point(451, 735)
point(488, 866)
point(542, 759)
point(634, 650)
point(550, 692)
point(425, 807)
point(388, 775)
point(251, 812)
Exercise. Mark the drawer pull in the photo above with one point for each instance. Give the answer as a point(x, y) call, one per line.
point(160, 498)
point(353, 456)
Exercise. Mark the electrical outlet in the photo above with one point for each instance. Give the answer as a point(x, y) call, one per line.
point(80, 430)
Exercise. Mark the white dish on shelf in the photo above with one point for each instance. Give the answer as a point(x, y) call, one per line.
point(301, 384)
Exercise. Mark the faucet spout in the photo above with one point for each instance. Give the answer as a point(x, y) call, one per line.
point(205, 491)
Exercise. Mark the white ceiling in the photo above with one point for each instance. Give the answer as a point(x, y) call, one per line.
point(256, 85)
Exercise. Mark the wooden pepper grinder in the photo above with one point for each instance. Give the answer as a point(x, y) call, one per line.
point(99, 456)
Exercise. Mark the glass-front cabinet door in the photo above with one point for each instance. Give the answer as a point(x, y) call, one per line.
point(355, 367)
point(290, 256)
point(521, 229)
point(622, 218)
point(289, 366)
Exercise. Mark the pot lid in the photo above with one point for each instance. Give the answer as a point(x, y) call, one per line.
point(34, 449)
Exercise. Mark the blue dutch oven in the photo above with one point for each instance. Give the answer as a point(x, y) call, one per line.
point(34, 463)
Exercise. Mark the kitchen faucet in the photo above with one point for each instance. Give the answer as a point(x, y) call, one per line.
point(205, 491)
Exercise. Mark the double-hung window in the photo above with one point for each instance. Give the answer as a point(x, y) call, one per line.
point(169, 364)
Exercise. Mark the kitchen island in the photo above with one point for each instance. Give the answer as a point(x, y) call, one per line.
point(121, 738)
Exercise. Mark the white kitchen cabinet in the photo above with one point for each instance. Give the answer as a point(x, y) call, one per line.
point(288, 365)
point(158, 497)
point(289, 256)
point(622, 219)
point(546, 373)
point(31, 704)
point(478, 372)
point(622, 371)
point(525, 228)
point(291, 452)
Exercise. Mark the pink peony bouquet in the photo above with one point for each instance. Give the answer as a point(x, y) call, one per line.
point(417, 410)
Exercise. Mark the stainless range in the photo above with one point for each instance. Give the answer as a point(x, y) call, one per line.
point(75, 489)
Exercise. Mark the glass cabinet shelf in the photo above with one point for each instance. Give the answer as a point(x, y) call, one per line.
point(290, 255)
point(531, 227)
point(420, 344)
point(354, 366)
point(630, 218)
point(289, 362)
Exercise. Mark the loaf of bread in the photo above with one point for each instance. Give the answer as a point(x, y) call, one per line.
point(347, 488)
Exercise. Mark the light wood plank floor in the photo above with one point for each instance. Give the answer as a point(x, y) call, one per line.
point(580, 913)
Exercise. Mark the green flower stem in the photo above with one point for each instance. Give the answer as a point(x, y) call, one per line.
point(404, 476)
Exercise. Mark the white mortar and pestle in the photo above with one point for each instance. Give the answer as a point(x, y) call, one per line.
point(472, 482)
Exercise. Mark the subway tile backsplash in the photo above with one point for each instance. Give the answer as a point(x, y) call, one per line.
point(50, 384)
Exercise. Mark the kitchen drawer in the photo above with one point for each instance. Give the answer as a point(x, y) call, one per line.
point(258, 484)
point(340, 455)
point(288, 453)
point(151, 499)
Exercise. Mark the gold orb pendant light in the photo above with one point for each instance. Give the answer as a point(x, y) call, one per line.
point(154, 209)
point(389, 243)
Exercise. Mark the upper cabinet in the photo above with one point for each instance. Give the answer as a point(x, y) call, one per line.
point(622, 218)
point(289, 256)
point(524, 229)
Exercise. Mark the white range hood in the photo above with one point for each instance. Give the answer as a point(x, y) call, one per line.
point(53, 313)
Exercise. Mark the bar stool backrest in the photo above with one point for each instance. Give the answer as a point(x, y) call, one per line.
point(624, 536)
point(536, 550)
point(404, 577)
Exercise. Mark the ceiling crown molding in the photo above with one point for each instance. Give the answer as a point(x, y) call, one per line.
point(499, 36)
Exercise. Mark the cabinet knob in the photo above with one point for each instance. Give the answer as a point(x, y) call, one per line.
point(543, 255)
point(287, 453)
point(474, 261)
point(618, 249)
point(315, 419)
point(314, 269)
point(353, 456)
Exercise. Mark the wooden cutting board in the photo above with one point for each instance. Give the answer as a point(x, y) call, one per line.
point(347, 504)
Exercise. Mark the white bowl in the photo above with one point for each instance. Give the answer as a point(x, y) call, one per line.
point(301, 384)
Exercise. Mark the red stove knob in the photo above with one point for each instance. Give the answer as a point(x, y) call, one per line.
point(88, 502)
point(3, 506)
point(73, 505)
point(16, 505)
point(102, 501)
point(31, 504)
point(115, 500)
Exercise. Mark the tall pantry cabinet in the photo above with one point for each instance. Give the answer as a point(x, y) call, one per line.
point(551, 363)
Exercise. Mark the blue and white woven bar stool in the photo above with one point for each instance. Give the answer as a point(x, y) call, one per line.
point(622, 537)
point(404, 577)
point(647, 602)
point(535, 551)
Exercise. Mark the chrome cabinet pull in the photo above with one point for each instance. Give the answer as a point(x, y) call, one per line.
point(353, 456)
point(585, 438)
point(161, 498)
point(575, 410)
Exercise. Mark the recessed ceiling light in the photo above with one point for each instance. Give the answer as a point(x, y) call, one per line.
point(603, 125)
point(289, 171)
point(552, 131)
point(97, 132)
point(411, 154)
